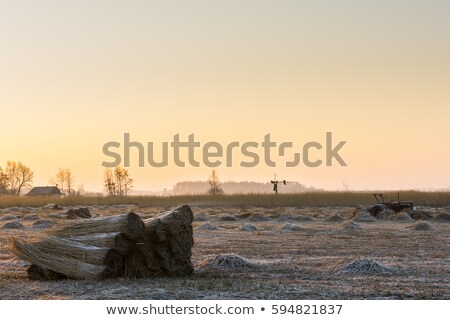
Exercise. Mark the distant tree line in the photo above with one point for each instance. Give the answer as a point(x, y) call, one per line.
point(234, 187)
point(15, 177)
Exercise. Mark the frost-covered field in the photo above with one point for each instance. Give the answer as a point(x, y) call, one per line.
point(266, 253)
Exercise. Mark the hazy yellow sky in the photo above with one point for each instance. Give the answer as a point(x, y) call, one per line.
point(76, 74)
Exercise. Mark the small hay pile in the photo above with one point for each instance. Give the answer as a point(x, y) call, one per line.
point(442, 217)
point(207, 226)
point(230, 262)
point(243, 215)
point(249, 227)
point(258, 217)
point(13, 225)
point(200, 217)
point(42, 224)
point(360, 214)
point(31, 217)
point(292, 217)
point(227, 217)
point(335, 218)
point(350, 225)
point(363, 217)
point(419, 214)
point(291, 227)
point(8, 217)
point(421, 226)
point(116, 246)
point(400, 217)
point(364, 266)
point(359, 209)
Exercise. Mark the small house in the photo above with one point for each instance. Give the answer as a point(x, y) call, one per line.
point(44, 191)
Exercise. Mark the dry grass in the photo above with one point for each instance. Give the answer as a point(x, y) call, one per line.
point(316, 199)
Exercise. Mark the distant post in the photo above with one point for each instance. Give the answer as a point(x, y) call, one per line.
point(275, 183)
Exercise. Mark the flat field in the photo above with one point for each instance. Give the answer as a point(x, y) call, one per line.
point(270, 252)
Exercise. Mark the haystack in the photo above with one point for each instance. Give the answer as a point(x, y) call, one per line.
point(13, 225)
point(419, 214)
point(116, 246)
point(291, 227)
point(258, 217)
point(120, 242)
point(363, 266)
point(363, 216)
point(227, 217)
point(200, 217)
point(442, 217)
point(249, 227)
point(207, 226)
point(421, 226)
point(290, 216)
point(400, 217)
point(71, 258)
point(30, 217)
point(42, 224)
point(230, 262)
point(8, 217)
point(129, 224)
point(243, 215)
point(350, 225)
point(335, 218)
point(36, 272)
point(165, 248)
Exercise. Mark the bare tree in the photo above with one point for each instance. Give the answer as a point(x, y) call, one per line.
point(346, 185)
point(117, 182)
point(59, 179)
point(69, 180)
point(25, 177)
point(64, 177)
point(4, 181)
point(108, 182)
point(214, 184)
point(123, 181)
point(11, 171)
point(19, 176)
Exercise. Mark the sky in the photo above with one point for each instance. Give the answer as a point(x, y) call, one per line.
point(75, 75)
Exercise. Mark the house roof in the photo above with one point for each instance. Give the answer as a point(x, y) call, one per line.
point(44, 191)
